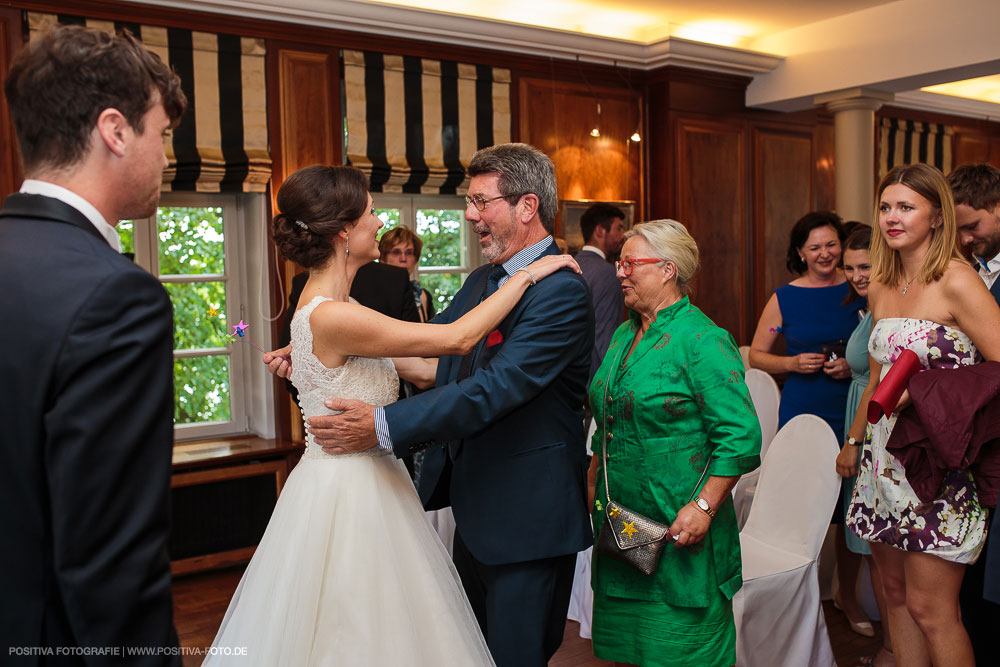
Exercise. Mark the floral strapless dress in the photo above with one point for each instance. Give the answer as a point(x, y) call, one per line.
point(884, 507)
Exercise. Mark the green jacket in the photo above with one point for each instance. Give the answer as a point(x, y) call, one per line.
point(678, 404)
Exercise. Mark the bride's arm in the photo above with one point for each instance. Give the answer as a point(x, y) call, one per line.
point(418, 370)
point(350, 329)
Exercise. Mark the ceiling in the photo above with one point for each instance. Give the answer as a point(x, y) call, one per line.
point(736, 23)
point(793, 50)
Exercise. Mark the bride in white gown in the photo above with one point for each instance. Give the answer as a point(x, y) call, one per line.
point(350, 570)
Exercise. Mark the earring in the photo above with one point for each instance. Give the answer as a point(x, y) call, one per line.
point(347, 251)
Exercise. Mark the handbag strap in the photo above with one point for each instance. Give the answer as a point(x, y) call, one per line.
point(604, 437)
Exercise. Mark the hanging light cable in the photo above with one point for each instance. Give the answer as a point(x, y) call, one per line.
point(636, 137)
point(596, 131)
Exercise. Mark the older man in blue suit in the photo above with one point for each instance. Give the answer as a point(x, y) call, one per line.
point(504, 426)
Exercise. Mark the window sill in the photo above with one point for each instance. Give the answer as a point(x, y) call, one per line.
point(226, 451)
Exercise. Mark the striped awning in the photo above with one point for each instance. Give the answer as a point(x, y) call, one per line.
point(413, 124)
point(221, 142)
point(910, 141)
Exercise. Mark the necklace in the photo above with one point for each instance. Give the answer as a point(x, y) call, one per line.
point(907, 285)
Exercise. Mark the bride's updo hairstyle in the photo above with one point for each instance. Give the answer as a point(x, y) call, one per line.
point(317, 202)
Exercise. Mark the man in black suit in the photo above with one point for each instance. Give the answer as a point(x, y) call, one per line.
point(976, 189)
point(86, 435)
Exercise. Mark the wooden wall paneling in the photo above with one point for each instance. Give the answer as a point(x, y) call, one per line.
point(710, 175)
point(970, 147)
point(659, 140)
point(557, 117)
point(782, 193)
point(824, 179)
point(11, 39)
point(305, 128)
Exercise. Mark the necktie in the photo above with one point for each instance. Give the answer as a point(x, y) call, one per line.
point(493, 281)
point(492, 285)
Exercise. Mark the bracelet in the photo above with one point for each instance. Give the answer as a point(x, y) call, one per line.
point(530, 276)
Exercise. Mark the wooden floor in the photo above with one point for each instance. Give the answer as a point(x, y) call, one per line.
point(200, 602)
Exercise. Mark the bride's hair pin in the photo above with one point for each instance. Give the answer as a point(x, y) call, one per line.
point(302, 225)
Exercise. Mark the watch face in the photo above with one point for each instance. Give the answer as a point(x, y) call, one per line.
point(702, 503)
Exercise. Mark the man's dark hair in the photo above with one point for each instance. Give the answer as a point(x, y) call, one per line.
point(61, 82)
point(976, 186)
point(598, 214)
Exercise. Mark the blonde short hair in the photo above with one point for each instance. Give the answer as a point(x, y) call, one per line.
point(929, 183)
point(671, 242)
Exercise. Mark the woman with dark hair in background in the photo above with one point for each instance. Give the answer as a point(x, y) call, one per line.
point(815, 316)
point(349, 570)
point(401, 247)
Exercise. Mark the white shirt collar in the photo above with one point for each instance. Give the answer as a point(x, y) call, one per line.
point(989, 271)
point(35, 187)
point(595, 250)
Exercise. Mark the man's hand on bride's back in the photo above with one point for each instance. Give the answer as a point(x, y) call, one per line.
point(350, 431)
point(279, 362)
point(549, 264)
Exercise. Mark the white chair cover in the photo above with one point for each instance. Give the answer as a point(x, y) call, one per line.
point(745, 353)
point(581, 601)
point(765, 395)
point(779, 620)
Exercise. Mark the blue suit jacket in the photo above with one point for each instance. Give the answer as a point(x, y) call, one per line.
point(514, 428)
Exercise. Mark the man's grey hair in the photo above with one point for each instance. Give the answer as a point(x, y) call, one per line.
point(522, 169)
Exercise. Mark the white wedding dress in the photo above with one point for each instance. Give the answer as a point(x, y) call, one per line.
point(349, 571)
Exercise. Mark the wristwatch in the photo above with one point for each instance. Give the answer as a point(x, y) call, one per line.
point(851, 440)
point(704, 506)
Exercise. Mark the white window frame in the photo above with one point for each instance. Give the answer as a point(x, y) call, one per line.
point(244, 229)
point(472, 254)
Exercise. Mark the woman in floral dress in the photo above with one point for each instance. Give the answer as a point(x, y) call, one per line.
point(926, 298)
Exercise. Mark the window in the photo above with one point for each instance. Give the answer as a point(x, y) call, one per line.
point(449, 254)
point(205, 251)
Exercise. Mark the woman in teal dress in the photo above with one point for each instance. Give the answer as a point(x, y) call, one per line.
point(670, 403)
point(858, 269)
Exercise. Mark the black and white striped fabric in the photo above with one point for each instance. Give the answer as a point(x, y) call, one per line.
point(413, 124)
point(909, 141)
point(221, 142)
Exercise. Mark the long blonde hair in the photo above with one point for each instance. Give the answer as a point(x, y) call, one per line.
point(929, 183)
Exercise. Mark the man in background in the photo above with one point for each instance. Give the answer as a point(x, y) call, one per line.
point(603, 229)
point(86, 434)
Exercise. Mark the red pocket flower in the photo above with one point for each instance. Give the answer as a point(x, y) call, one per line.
point(494, 338)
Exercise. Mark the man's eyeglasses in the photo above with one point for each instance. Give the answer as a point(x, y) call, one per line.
point(628, 265)
point(480, 201)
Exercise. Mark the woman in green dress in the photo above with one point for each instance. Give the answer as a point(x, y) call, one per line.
point(670, 401)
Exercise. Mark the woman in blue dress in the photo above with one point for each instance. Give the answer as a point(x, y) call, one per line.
point(815, 317)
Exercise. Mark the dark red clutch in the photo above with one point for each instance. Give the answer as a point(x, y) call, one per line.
point(892, 386)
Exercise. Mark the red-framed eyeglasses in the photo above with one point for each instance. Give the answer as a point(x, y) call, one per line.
point(628, 265)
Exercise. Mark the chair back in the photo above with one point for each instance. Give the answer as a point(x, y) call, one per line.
point(745, 353)
point(766, 396)
point(797, 489)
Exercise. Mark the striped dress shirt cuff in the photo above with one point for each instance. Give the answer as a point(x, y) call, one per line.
point(382, 430)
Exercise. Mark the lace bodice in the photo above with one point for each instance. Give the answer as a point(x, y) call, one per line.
point(365, 379)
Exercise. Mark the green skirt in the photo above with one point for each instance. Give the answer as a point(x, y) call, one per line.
point(657, 634)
